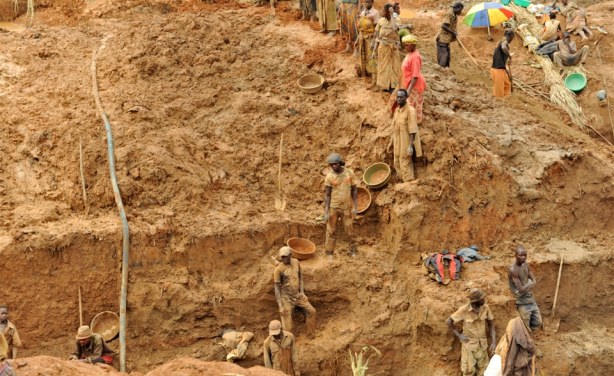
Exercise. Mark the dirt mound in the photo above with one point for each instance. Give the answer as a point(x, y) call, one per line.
point(49, 366)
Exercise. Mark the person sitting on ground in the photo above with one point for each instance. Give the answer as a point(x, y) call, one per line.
point(280, 350)
point(521, 281)
point(474, 316)
point(551, 28)
point(235, 343)
point(567, 54)
point(502, 84)
point(5, 366)
point(90, 347)
point(517, 350)
point(290, 293)
point(340, 202)
point(576, 19)
point(8, 329)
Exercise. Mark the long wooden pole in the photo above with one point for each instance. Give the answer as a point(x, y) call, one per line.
point(82, 173)
point(80, 308)
point(558, 281)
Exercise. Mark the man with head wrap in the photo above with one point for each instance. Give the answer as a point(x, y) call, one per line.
point(474, 316)
point(290, 293)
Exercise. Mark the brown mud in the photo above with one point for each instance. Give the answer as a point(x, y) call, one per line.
point(198, 96)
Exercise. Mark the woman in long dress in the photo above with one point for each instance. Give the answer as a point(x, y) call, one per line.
point(386, 48)
point(367, 65)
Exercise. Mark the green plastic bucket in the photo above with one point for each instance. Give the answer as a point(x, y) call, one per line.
point(576, 82)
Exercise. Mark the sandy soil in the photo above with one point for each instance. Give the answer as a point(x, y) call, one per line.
point(198, 96)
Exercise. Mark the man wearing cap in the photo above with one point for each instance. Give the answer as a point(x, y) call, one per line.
point(289, 291)
point(405, 138)
point(447, 34)
point(521, 281)
point(90, 347)
point(235, 344)
point(340, 202)
point(280, 350)
point(474, 316)
point(8, 329)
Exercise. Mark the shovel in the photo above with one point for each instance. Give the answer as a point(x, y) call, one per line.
point(552, 323)
point(280, 199)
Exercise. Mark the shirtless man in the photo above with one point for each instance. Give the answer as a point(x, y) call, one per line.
point(521, 282)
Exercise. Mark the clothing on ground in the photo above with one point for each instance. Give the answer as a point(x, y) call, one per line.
point(327, 15)
point(530, 315)
point(388, 56)
point(404, 123)
point(501, 83)
point(470, 255)
point(236, 343)
point(6, 369)
point(281, 355)
point(96, 348)
point(517, 350)
point(348, 11)
point(367, 65)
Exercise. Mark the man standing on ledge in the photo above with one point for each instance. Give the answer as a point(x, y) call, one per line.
point(447, 34)
point(340, 193)
point(474, 316)
point(521, 282)
point(405, 138)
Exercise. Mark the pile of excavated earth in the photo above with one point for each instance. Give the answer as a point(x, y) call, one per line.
point(198, 96)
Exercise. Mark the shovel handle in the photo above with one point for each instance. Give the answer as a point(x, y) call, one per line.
point(558, 281)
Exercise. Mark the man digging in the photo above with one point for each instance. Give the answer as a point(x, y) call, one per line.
point(339, 195)
point(91, 348)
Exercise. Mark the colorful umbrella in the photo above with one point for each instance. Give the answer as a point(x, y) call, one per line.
point(487, 14)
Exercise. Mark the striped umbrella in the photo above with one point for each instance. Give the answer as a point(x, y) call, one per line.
point(487, 14)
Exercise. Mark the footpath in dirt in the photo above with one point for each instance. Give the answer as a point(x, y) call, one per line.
point(199, 96)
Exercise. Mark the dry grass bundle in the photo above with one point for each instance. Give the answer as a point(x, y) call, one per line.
point(560, 95)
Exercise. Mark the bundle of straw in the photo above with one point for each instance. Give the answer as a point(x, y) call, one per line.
point(560, 95)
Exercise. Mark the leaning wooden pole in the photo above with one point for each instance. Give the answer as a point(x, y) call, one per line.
point(122, 214)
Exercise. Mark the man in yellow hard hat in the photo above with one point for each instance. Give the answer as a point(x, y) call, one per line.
point(289, 291)
point(90, 347)
point(280, 350)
